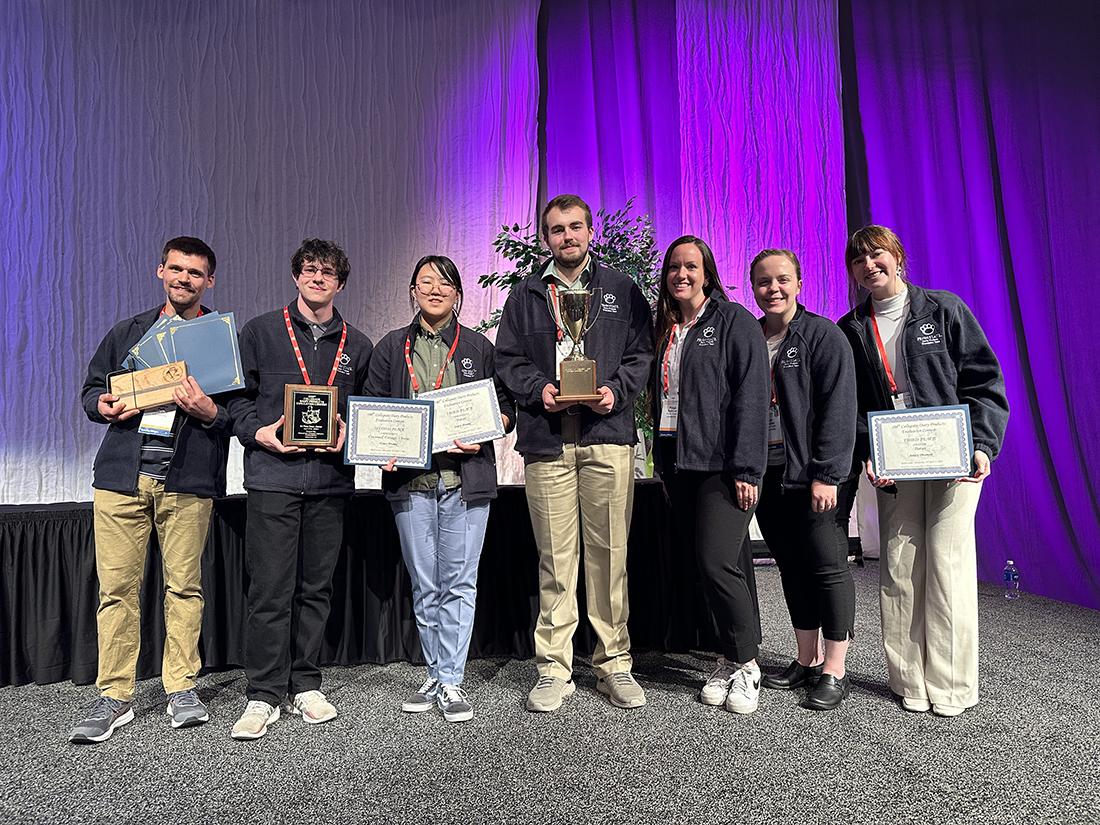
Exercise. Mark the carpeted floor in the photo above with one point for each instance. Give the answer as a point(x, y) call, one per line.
point(1028, 753)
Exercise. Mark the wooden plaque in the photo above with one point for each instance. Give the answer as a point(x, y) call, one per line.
point(309, 412)
point(148, 388)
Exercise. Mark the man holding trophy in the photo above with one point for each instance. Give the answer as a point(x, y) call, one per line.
point(575, 347)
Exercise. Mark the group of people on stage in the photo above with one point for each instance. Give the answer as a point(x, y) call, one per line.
point(750, 416)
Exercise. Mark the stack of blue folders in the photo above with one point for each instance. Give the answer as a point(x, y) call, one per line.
point(208, 345)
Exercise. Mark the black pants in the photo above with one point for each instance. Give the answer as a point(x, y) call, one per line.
point(811, 550)
point(292, 544)
point(705, 515)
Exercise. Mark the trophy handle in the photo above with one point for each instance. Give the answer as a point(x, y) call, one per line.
point(592, 316)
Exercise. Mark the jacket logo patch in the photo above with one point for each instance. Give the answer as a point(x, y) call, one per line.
point(708, 337)
point(610, 303)
point(344, 368)
point(790, 359)
point(928, 336)
point(792, 352)
point(468, 363)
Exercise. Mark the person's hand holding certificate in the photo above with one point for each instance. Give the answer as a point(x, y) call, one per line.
point(464, 413)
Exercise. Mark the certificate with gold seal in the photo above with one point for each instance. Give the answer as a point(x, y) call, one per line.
point(380, 429)
point(921, 444)
point(469, 413)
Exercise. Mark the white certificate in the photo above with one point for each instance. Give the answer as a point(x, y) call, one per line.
point(380, 429)
point(467, 412)
point(922, 443)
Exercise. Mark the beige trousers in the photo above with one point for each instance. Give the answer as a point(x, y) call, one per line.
point(589, 489)
point(122, 526)
point(929, 590)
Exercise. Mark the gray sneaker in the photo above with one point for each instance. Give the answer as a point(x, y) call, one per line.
point(104, 715)
point(622, 690)
point(186, 709)
point(548, 693)
point(424, 697)
point(454, 703)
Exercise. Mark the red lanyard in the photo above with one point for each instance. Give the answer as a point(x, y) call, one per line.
point(665, 360)
point(442, 370)
point(197, 316)
point(298, 352)
point(882, 355)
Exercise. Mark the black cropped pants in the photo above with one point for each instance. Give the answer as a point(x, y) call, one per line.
point(811, 550)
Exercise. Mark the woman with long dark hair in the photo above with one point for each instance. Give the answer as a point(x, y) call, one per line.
point(442, 512)
point(917, 347)
point(710, 391)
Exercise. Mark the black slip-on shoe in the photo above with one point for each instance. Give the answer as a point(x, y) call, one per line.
point(795, 676)
point(828, 693)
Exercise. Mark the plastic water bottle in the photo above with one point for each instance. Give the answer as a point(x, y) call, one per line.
point(1012, 580)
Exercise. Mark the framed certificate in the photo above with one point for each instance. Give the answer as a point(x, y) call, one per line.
point(921, 444)
point(383, 428)
point(467, 412)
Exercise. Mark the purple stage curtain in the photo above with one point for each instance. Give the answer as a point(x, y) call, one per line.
point(722, 118)
point(980, 120)
point(396, 128)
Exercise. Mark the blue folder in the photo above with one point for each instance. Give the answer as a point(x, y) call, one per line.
point(208, 344)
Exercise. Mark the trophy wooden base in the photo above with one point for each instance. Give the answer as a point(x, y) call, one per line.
point(309, 412)
point(578, 381)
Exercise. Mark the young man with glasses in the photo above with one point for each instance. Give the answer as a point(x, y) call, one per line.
point(296, 496)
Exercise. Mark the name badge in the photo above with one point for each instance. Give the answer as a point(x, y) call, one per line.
point(670, 415)
point(562, 349)
point(158, 422)
point(902, 401)
point(775, 431)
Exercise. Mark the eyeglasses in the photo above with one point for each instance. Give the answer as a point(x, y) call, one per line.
point(427, 287)
point(326, 272)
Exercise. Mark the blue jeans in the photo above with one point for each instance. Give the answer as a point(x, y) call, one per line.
point(441, 538)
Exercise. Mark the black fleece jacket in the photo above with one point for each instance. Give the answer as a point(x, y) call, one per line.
point(947, 360)
point(388, 377)
point(724, 394)
point(815, 386)
point(269, 365)
point(620, 342)
point(198, 463)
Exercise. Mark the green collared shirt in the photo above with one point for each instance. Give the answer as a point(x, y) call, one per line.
point(551, 274)
point(429, 353)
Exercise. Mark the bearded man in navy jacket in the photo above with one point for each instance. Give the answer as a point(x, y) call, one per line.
point(578, 457)
point(158, 468)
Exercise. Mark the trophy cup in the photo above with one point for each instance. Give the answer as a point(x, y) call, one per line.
point(578, 374)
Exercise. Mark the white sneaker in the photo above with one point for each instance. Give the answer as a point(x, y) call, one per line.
point(716, 689)
point(254, 721)
point(313, 707)
point(744, 693)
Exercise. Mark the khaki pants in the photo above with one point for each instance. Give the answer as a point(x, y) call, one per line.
point(122, 526)
point(929, 590)
point(589, 489)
